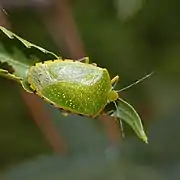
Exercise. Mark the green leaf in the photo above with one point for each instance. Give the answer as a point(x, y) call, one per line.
point(14, 60)
point(128, 114)
point(6, 74)
point(11, 35)
point(17, 59)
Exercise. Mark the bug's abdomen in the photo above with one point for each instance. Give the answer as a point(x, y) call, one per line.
point(76, 99)
point(82, 89)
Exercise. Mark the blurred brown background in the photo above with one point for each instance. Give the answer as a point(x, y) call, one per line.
point(128, 37)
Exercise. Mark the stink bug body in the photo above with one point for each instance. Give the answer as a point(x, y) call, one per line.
point(75, 86)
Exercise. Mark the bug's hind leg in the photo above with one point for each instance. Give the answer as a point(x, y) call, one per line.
point(114, 81)
point(86, 60)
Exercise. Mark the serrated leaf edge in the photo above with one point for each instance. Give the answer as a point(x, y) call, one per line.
point(28, 44)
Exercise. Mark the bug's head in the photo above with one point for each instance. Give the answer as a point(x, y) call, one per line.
point(112, 96)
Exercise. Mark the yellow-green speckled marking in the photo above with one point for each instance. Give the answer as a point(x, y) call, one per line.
point(72, 85)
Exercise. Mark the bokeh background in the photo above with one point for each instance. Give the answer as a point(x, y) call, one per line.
point(128, 37)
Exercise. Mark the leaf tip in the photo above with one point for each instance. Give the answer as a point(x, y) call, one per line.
point(144, 138)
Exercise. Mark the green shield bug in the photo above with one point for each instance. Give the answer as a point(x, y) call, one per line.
point(78, 87)
point(70, 85)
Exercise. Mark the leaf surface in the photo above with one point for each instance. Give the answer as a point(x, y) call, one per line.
point(16, 58)
point(129, 115)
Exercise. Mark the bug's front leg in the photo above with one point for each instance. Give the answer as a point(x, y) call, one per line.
point(114, 81)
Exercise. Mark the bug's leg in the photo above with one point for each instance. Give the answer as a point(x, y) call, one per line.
point(114, 81)
point(121, 127)
point(119, 122)
point(84, 59)
point(65, 114)
point(109, 112)
point(94, 64)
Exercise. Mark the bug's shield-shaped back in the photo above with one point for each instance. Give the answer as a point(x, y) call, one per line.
point(15, 57)
point(128, 114)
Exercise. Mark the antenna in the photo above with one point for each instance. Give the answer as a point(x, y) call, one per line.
point(136, 82)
